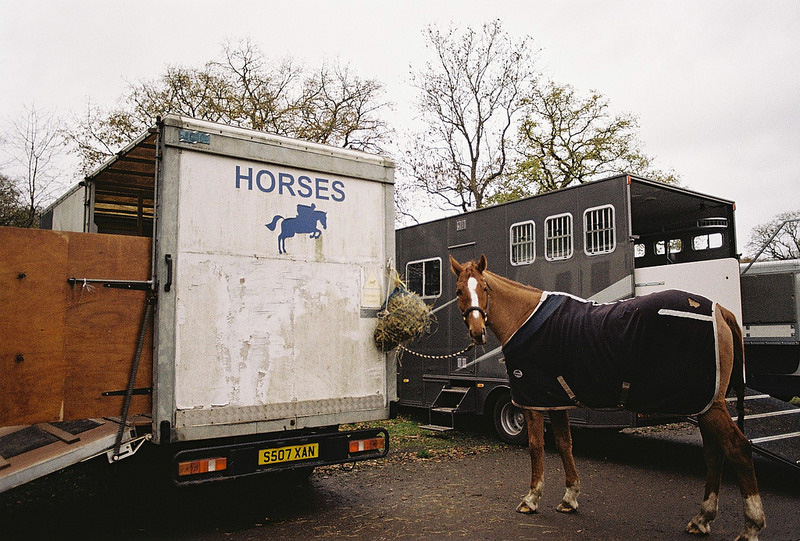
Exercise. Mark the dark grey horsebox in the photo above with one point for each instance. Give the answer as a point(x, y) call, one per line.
point(607, 240)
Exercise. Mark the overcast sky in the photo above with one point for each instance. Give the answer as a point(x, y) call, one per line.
point(715, 84)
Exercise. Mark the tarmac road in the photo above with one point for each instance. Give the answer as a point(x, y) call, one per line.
point(640, 485)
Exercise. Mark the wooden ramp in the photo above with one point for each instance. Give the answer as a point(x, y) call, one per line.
point(772, 426)
point(33, 451)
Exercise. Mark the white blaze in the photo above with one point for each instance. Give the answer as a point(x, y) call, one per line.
point(472, 285)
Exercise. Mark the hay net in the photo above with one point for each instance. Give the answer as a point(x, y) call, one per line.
point(403, 317)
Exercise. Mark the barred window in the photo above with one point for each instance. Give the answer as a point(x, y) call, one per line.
point(558, 237)
point(599, 231)
point(523, 244)
point(425, 277)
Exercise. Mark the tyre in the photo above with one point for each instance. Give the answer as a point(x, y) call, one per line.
point(509, 421)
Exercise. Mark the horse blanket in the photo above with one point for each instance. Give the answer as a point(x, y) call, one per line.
point(651, 354)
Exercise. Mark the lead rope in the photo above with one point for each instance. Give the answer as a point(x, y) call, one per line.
point(426, 356)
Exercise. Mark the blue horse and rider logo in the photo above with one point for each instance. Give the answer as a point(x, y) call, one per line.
point(305, 222)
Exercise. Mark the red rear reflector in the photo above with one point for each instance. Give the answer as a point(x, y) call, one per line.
point(204, 465)
point(371, 444)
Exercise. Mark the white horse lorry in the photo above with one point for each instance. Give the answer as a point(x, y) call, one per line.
point(607, 240)
point(771, 313)
point(161, 309)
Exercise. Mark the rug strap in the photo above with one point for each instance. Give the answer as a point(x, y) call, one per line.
point(569, 392)
point(623, 395)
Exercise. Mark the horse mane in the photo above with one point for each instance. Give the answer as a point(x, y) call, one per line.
point(512, 283)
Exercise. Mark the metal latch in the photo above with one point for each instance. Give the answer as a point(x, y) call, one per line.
point(128, 448)
point(139, 285)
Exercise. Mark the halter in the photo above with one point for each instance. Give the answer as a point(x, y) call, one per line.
point(484, 313)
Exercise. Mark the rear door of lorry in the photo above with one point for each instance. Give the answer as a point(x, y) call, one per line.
point(271, 259)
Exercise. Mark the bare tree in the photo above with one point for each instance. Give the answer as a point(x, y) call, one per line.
point(339, 108)
point(244, 89)
point(99, 133)
point(565, 139)
point(262, 95)
point(33, 144)
point(468, 98)
point(779, 238)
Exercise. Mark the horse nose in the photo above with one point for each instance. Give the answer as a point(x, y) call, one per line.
point(478, 338)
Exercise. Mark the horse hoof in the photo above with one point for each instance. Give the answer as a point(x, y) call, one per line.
point(525, 509)
point(564, 507)
point(698, 529)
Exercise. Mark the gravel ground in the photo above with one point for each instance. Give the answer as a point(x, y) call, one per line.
point(639, 484)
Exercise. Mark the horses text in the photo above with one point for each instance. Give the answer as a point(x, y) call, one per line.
point(285, 183)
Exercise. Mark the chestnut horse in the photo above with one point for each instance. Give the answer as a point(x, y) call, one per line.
point(489, 300)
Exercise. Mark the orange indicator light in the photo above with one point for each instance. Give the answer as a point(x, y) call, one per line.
point(371, 444)
point(203, 465)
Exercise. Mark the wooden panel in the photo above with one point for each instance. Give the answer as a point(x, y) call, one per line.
point(102, 325)
point(74, 342)
point(33, 266)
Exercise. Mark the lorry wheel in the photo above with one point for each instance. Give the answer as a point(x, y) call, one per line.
point(509, 421)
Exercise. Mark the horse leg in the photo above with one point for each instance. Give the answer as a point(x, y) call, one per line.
point(714, 459)
point(535, 423)
point(737, 450)
point(559, 421)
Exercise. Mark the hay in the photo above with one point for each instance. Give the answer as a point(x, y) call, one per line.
point(405, 316)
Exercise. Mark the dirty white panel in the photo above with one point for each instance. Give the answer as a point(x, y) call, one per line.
point(255, 327)
point(68, 212)
point(716, 279)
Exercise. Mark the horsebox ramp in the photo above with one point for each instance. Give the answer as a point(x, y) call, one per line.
point(772, 426)
point(28, 452)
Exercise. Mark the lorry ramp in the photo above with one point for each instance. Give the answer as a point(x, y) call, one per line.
point(771, 425)
point(31, 451)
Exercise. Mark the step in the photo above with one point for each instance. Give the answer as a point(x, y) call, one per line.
point(437, 428)
point(462, 390)
point(443, 410)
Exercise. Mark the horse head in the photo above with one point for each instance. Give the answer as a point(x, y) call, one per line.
point(472, 293)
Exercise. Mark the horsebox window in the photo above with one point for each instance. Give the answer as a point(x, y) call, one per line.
point(558, 237)
point(707, 242)
point(598, 229)
point(523, 244)
point(675, 246)
point(425, 277)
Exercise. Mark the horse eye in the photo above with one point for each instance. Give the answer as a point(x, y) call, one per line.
point(458, 292)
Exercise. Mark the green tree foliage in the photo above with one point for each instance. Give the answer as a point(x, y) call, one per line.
point(565, 139)
point(468, 100)
point(779, 238)
point(12, 212)
point(329, 105)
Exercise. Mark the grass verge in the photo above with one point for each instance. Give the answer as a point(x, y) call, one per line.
point(409, 441)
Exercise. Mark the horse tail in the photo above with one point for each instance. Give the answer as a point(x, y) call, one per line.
point(274, 222)
point(737, 375)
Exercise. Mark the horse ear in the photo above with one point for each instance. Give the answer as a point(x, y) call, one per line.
point(455, 266)
point(482, 263)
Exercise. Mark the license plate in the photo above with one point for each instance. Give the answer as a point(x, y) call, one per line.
point(288, 454)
